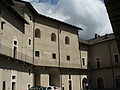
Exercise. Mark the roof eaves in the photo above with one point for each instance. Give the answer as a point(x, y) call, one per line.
point(31, 8)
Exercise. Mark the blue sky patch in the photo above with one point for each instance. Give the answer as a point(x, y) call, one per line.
point(51, 1)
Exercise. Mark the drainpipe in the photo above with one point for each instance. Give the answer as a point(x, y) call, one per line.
point(59, 31)
point(33, 27)
point(111, 64)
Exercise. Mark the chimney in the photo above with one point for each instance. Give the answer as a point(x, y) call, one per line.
point(96, 35)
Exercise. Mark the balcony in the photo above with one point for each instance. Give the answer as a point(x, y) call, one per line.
point(7, 51)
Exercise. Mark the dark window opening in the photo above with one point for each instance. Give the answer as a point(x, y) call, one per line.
point(29, 71)
point(67, 41)
point(15, 52)
point(28, 86)
point(54, 56)
point(4, 86)
point(83, 61)
point(2, 25)
point(37, 53)
point(98, 64)
point(13, 77)
point(100, 83)
point(69, 76)
point(116, 58)
point(118, 82)
point(13, 85)
point(53, 37)
point(70, 85)
point(15, 42)
point(68, 58)
point(97, 58)
point(29, 41)
point(88, 64)
point(37, 33)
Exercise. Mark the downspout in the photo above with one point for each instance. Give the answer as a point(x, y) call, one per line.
point(59, 31)
point(33, 27)
point(80, 58)
point(111, 64)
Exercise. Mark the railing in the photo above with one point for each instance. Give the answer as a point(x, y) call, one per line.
point(5, 50)
point(19, 55)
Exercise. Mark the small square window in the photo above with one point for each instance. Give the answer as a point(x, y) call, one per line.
point(68, 58)
point(29, 41)
point(97, 58)
point(13, 77)
point(37, 53)
point(54, 56)
point(15, 42)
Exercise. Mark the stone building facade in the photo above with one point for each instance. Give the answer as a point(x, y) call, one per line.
point(103, 62)
point(36, 50)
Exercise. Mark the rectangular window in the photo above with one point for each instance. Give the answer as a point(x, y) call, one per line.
point(116, 58)
point(69, 76)
point(83, 61)
point(15, 42)
point(98, 64)
point(4, 86)
point(2, 25)
point(29, 41)
point(13, 85)
point(54, 56)
point(37, 53)
point(13, 77)
point(68, 57)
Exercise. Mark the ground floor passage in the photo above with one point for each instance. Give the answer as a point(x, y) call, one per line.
point(19, 76)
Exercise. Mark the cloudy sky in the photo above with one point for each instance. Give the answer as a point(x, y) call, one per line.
point(90, 15)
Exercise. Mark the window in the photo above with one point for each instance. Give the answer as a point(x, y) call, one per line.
point(15, 49)
point(69, 76)
point(88, 64)
point(37, 53)
point(29, 41)
point(53, 37)
point(116, 58)
point(70, 84)
point(28, 86)
point(84, 83)
point(98, 64)
point(29, 71)
point(118, 82)
point(68, 57)
point(67, 40)
point(2, 25)
point(15, 42)
point(13, 77)
point(54, 56)
point(13, 85)
point(100, 83)
point(83, 61)
point(37, 33)
point(4, 86)
point(97, 58)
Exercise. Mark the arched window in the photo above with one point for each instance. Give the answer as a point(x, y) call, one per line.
point(100, 83)
point(67, 41)
point(53, 37)
point(37, 33)
point(118, 82)
point(84, 83)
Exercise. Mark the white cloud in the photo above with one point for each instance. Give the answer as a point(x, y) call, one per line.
point(91, 15)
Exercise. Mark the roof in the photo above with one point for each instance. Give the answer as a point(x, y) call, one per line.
point(8, 6)
point(100, 39)
point(32, 9)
